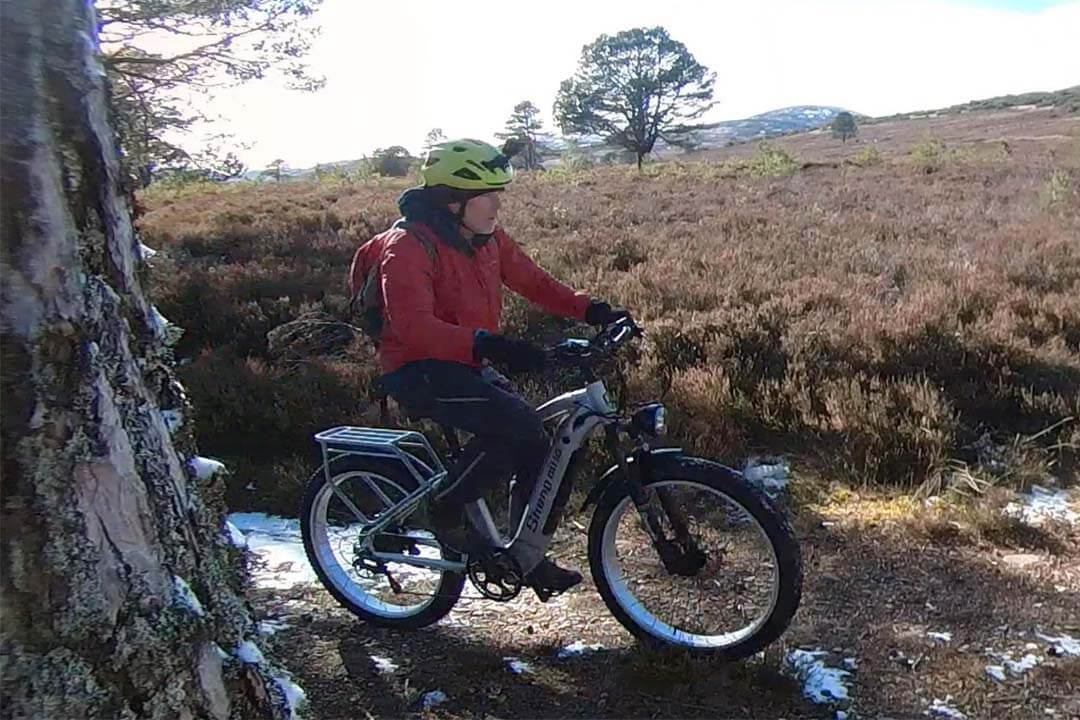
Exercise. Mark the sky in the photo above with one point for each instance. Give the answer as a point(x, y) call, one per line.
point(395, 70)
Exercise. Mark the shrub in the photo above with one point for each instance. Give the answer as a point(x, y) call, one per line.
point(771, 161)
point(1057, 190)
point(886, 325)
point(574, 158)
point(868, 157)
point(932, 155)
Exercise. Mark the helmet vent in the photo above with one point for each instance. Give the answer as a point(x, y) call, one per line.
point(466, 173)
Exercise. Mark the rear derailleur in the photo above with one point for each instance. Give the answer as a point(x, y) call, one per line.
point(391, 542)
point(372, 569)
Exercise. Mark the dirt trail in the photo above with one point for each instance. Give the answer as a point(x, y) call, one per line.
point(873, 595)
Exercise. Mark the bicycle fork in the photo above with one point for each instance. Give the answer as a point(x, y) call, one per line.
point(679, 554)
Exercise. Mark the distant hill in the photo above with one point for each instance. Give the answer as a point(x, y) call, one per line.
point(784, 121)
point(775, 123)
point(1067, 99)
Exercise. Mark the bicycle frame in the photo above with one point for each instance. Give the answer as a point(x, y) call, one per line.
point(581, 411)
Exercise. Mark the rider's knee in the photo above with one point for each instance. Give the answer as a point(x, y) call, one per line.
point(534, 438)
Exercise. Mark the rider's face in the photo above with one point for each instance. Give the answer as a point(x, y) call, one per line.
point(482, 212)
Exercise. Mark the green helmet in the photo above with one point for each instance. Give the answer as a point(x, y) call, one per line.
point(466, 164)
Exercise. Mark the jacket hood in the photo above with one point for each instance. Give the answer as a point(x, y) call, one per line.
point(428, 206)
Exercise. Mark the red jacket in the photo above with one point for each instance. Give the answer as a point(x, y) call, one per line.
point(432, 309)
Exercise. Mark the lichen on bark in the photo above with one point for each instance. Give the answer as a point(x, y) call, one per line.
point(98, 513)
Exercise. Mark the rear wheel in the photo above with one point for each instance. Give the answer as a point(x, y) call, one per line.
point(729, 589)
point(387, 593)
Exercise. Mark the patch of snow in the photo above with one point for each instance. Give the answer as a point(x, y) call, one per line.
point(518, 666)
point(295, 697)
point(433, 698)
point(146, 252)
point(235, 536)
point(204, 468)
point(187, 597)
point(271, 627)
point(942, 709)
point(178, 387)
point(996, 672)
point(943, 637)
point(821, 684)
point(158, 321)
point(250, 653)
point(1021, 666)
point(770, 474)
point(383, 665)
point(250, 487)
point(850, 664)
point(1061, 645)
point(277, 543)
point(841, 715)
point(220, 653)
point(1024, 664)
point(1042, 504)
point(577, 649)
point(282, 562)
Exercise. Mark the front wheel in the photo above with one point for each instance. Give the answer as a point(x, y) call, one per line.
point(728, 587)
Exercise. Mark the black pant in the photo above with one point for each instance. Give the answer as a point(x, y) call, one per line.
point(508, 435)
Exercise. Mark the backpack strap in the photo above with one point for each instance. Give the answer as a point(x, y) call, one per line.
point(423, 234)
point(368, 286)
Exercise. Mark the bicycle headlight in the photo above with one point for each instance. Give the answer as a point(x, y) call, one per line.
point(651, 419)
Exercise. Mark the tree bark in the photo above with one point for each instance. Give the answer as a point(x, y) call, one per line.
point(121, 597)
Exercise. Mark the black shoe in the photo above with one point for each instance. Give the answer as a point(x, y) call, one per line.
point(549, 579)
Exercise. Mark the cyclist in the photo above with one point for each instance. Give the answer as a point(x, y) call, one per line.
point(442, 273)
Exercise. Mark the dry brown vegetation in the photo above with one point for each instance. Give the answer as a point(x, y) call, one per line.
point(905, 315)
point(882, 317)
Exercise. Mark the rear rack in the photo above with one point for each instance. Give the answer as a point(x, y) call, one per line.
point(409, 447)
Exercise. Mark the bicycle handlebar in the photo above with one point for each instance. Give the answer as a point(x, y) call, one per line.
point(580, 352)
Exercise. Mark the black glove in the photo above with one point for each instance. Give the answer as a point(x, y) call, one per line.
point(518, 355)
point(600, 313)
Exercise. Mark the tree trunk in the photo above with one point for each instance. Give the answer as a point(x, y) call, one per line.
point(120, 595)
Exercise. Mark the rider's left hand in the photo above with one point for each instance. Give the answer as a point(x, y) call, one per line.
point(600, 313)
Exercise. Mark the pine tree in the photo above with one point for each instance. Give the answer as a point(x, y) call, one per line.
point(844, 127)
point(524, 134)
